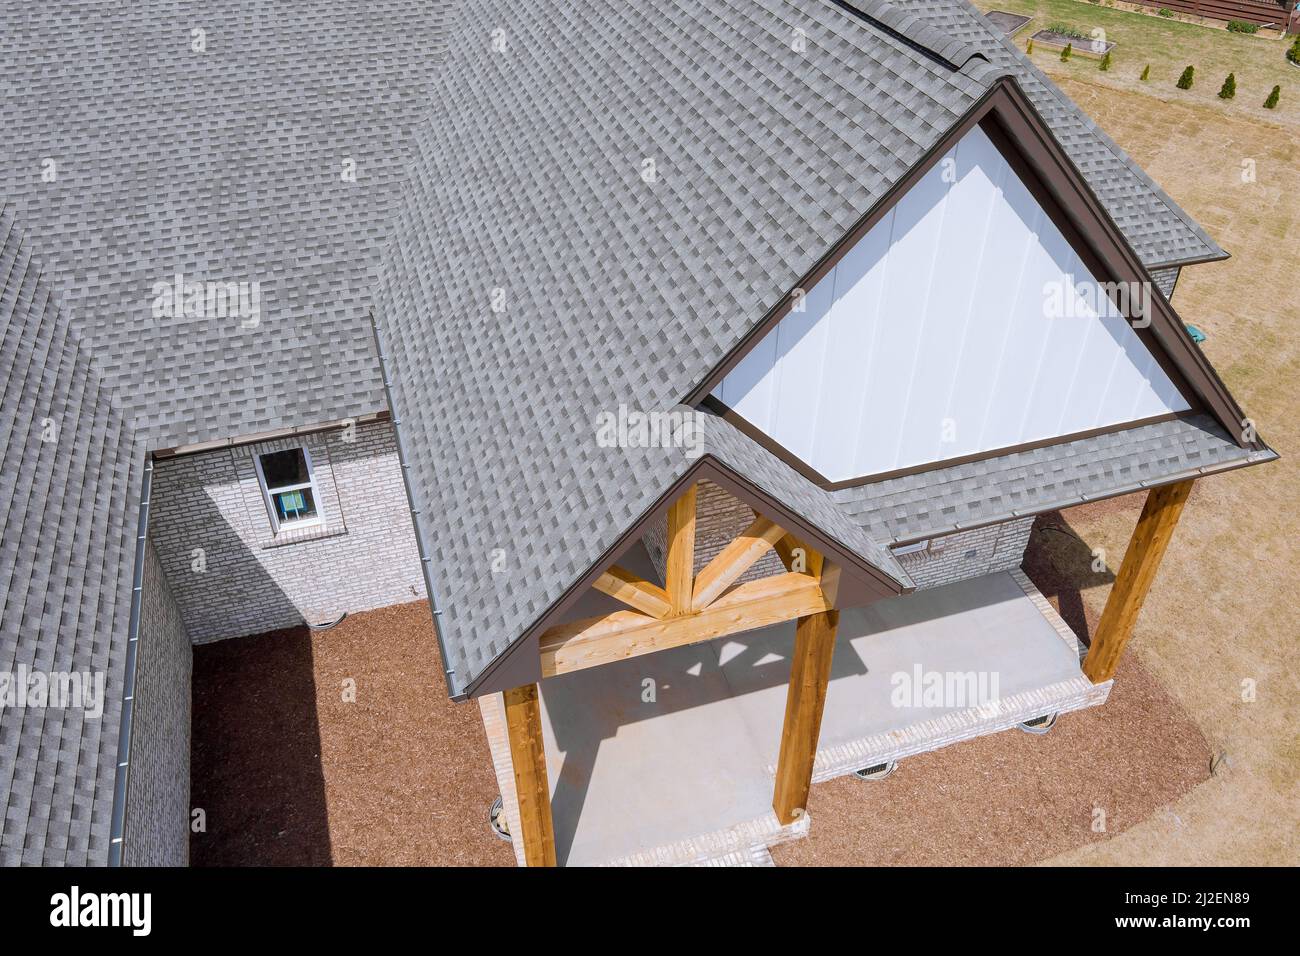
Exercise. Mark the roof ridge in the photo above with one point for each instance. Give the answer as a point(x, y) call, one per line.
point(910, 29)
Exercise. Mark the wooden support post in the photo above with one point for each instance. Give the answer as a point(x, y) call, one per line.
point(1145, 549)
point(528, 756)
point(679, 576)
point(810, 672)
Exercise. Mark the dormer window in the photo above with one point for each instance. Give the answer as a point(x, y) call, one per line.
point(289, 487)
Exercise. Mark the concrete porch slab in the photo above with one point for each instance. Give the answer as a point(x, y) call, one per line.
point(669, 758)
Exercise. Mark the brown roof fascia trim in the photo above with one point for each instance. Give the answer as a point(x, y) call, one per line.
point(877, 583)
point(744, 426)
point(201, 447)
point(1007, 104)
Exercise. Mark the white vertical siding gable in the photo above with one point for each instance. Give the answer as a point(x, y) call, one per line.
point(930, 339)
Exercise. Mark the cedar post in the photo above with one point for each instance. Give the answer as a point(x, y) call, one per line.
point(1145, 549)
point(528, 757)
point(810, 671)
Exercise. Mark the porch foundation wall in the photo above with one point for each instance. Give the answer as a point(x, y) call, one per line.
point(232, 575)
point(157, 830)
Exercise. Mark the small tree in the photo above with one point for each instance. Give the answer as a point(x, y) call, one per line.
point(1065, 54)
point(1185, 81)
point(1146, 73)
point(1271, 102)
point(1029, 47)
point(1293, 54)
point(1105, 62)
point(1229, 88)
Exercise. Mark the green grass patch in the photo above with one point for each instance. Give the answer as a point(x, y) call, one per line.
point(1166, 46)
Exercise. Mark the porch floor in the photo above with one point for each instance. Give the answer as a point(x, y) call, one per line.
point(670, 757)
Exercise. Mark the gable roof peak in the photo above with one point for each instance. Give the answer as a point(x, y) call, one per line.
point(908, 27)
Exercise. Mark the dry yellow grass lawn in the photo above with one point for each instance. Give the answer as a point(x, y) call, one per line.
point(1223, 610)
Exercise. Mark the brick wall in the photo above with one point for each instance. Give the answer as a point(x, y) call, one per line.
point(719, 517)
point(231, 575)
point(157, 829)
point(968, 554)
point(1165, 280)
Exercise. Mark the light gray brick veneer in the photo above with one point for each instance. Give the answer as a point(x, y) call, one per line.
point(157, 829)
point(719, 517)
point(208, 510)
point(969, 554)
point(1166, 279)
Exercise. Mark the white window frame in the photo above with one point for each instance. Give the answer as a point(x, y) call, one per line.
point(310, 483)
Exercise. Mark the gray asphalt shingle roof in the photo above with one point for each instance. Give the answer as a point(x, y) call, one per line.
point(603, 205)
point(223, 165)
point(69, 487)
point(1043, 479)
point(131, 156)
point(527, 196)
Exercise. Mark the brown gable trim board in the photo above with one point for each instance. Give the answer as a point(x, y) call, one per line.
point(1006, 111)
point(779, 451)
point(1036, 143)
point(860, 582)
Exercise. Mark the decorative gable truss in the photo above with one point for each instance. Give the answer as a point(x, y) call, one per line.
point(690, 608)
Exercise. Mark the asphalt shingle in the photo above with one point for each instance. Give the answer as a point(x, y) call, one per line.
point(69, 489)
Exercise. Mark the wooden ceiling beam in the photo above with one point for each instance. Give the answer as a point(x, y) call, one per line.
point(624, 634)
point(634, 591)
point(734, 560)
point(798, 557)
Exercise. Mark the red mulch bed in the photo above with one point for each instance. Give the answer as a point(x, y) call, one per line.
point(290, 773)
point(1013, 798)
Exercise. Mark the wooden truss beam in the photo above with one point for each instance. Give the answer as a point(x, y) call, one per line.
point(528, 757)
point(734, 560)
point(1137, 572)
point(634, 591)
point(797, 556)
point(680, 570)
point(624, 634)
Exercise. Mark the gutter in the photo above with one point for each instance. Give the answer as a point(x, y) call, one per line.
point(117, 827)
point(426, 562)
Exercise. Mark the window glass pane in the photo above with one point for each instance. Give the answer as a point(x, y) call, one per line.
point(284, 468)
point(293, 506)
